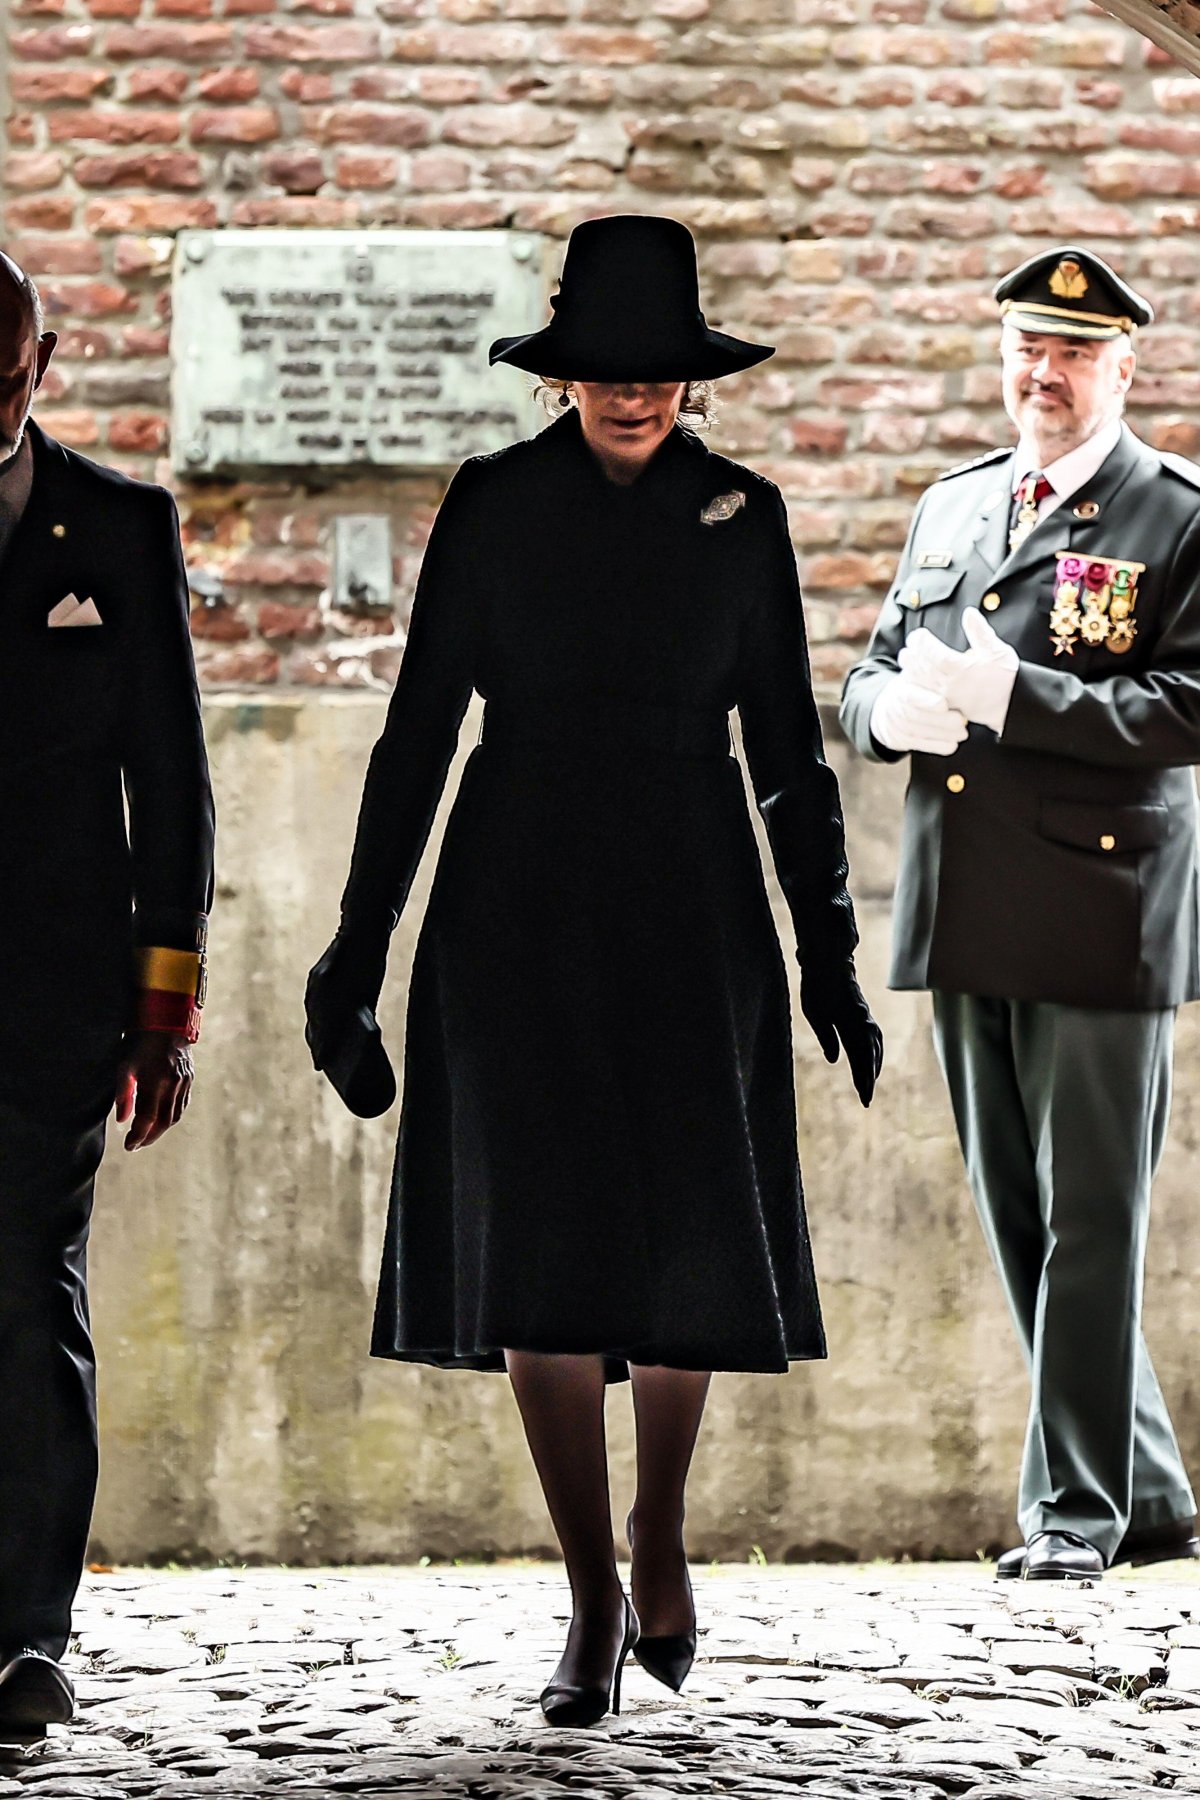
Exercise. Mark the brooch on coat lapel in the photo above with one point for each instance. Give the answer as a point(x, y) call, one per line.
point(722, 507)
point(1094, 599)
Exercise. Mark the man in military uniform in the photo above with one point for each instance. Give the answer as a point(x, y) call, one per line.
point(102, 936)
point(1038, 657)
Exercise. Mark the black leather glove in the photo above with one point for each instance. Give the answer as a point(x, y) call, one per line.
point(833, 1003)
point(340, 1028)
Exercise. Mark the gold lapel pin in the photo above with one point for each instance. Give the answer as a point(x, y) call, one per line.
point(59, 530)
point(1087, 509)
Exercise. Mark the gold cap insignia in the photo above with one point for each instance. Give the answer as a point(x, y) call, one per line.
point(1069, 281)
point(722, 507)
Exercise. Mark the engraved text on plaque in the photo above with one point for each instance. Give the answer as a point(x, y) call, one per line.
point(336, 348)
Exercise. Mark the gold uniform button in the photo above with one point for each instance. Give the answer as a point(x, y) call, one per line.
point(1108, 841)
point(59, 530)
point(914, 599)
point(990, 602)
point(956, 783)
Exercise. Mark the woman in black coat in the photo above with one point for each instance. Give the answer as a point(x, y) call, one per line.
point(596, 1173)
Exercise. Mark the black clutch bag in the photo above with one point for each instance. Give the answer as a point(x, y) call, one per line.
point(359, 1068)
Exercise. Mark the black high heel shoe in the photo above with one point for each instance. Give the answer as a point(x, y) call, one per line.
point(669, 1657)
point(565, 1703)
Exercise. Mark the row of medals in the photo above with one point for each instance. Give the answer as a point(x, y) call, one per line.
point(1098, 615)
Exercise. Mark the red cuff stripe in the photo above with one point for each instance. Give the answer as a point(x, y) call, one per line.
point(158, 1009)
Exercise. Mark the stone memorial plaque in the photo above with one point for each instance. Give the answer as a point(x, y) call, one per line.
point(342, 348)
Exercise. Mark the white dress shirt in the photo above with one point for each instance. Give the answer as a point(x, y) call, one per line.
point(1066, 474)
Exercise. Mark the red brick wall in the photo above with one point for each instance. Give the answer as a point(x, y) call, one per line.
point(858, 172)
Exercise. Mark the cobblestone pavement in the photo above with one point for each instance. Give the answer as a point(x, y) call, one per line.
point(889, 1683)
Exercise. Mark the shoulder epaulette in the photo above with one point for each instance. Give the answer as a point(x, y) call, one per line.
point(1179, 465)
point(978, 462)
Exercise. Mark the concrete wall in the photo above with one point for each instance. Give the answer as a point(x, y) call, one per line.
point(234, 1265)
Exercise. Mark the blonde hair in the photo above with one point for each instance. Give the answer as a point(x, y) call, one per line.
point(698, 408)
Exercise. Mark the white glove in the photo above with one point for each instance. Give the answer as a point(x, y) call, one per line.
point(978, 682)
point(907, 716)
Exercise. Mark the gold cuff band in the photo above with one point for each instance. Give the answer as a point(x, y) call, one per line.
point(171, 971)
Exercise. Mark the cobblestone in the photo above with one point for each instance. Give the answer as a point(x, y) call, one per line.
point(883, 1683)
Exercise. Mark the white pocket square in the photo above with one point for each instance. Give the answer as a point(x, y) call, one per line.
point(71, 611)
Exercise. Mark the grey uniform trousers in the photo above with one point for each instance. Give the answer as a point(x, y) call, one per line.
point(1062, 1115)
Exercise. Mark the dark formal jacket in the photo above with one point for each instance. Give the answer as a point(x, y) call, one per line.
point(1058, 861)
point(597, 1145)
point(94, 716)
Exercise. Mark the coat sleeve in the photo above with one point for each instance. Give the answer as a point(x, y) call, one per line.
point(866, 682)
point(165, 767)
point(408, 766)
point(1145, 721)
point(794, 787)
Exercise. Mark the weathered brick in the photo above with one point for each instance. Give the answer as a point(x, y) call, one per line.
point(53, 43)
point(815, 261)
point(1128, 177)
point(297, 171)
point(177, 170)
point(143, 255)
point(41, 212)
point(897, 434)
point(124, 125)
point(46, 86)
point(142, 431)
point(149, 212)
point(225, 85)
point(176, 43)
point(278, 621)
point(311, 43)
point(404, 126)
point(85, 299)
point(59, 255)
point(439, 170)
point(156, 83)
point(234, 125)
point(1177, 94)
point(244, 667)
point(918, 393)
point(367, 169)
point(307, 86)
point(440, 44)
point(297, 210)
point(484, 126)
point(76, 427)
point(30, 169)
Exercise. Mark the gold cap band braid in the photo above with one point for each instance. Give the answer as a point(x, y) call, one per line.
point(170, 971)
point(1064, 319)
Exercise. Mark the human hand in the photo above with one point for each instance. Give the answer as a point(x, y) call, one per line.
point(909, 715)
point(836, 1009)
point(977, 682)
point(154, 1084)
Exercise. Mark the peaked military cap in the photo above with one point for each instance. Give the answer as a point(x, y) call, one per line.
point(1070, 293)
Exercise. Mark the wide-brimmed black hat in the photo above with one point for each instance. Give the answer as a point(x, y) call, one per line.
point(628, 309)
point(1068, 292)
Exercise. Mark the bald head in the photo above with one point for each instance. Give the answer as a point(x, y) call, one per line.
point(25, 350)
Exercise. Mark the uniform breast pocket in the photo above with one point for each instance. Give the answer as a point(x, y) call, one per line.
point(923, 596)
point(69, 681)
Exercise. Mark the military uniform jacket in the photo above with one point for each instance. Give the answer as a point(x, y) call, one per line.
point(92, 716)
point(1058, 861)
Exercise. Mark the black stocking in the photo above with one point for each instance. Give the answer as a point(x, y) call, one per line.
point(669, 1405)
point(561, 1400)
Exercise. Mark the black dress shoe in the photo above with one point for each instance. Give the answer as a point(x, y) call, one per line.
point(1010, 1564)
point(1176, 1541)
point(568, 1703)
point(34, 1693)
point(1061, 1556)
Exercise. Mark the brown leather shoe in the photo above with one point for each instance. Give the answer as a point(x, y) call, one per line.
point(1176, 1541)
